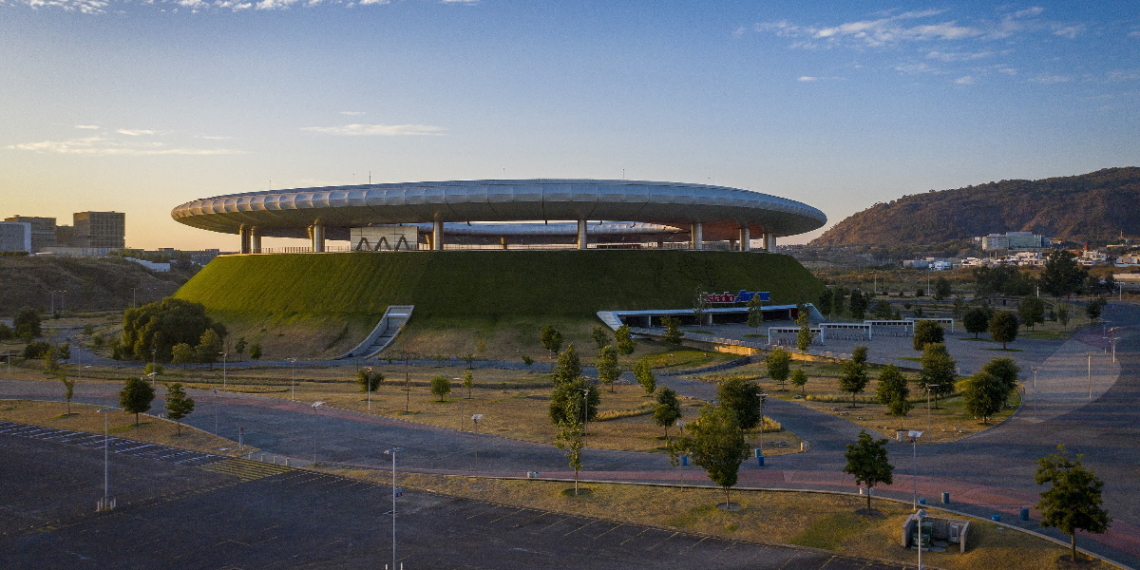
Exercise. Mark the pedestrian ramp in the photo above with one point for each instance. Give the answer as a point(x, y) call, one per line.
point(390, 325)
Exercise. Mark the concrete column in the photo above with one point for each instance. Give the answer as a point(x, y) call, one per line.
point(764, 241)
point(696, 236)
point(255, 240)
point(437, 235)
point(582, 234)
point(317, 236)
point(243, 236)
point(503, 241)
point(745, 237)
point(770, 242)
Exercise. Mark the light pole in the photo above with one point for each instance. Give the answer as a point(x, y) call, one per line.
point(1090, 375)
point(681, 460)
point(106, 503)
point(395, 492)
point(1035, 369)
point(293, 381)
point(921, 514)
point(223, 369)
point(914, 435)
point(763, 398)
point(475, 420)
point(315, 406)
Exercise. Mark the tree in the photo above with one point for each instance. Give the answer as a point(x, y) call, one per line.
point(1073, 502)
point(755, 312)
point(63, 351)
point(6, 332)
point(803, 320)
point(26, 324)
point(567, 398)
point(608, 369)
point(779, 364)
point(984, 395)
point(468, 382)
point(941, 288)
point(1062, 276)
point(181, 353)
point(853, 374)
point(927, 332)
point(1003, 327)
point(136, 397)
point(624, 340)
point(551, 339)
point(858, 304)
point(882, 310)
point(673, 334)
point(867, 461)
point(572, 439)
point(977, 320)
point(893, 391)
point(161, 325)
point(255, 351)
point(440, 386)
point(643, 372)
point(569, 366)
point(154, 368)
point(740, 396)
point(824, 304)
point(716, 443)
point(668, 409)
point(1006, 371)
point(959, 306)
point(240, 345)
point(68, 386)
point(1031, 311)
point(369, 380)
point(178, 404)
point(600, 336)
point(938, 371)
point(1063, 314)
point(209, 346)
point(1095, 308)
point(799, 379)
point(700, 305)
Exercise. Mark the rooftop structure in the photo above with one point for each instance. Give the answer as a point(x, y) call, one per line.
point(666, 211)
point(1013, 240)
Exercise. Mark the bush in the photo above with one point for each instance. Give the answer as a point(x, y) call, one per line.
point(38, 349)
point(27, 324)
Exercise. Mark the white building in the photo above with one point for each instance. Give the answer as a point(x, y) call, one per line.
point(1013, 240)
point(16, 236)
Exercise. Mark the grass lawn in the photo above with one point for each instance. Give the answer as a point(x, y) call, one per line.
point(87, 418)
point(817, 520)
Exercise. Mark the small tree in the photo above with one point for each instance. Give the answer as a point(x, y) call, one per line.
point(700, 305)
point(643, 372)
point(551, 339)
point(799, 379)
point(178, 404)
point(1073, 502)
point(716, 443)
point(468, 382)
point(1007, 372)
point(68, 386)
point(624, 340)
point(1031, 311)
point(1062, 275)
point(824, 304)
point(440, 386)
point(984, 395)
point(977, 320)
point(255, 351)
point(755, 311)
point(154, 368)
point(853, 374)
point(938, 371)
point(803, 320)
point(63, 351)
point(882, 310)
point(927, 332)
point(369, 380)
point(568, 396)
point(668, 409)
point(893, 391)
point(1003, 327)
point(240, 346)
point(867, 461)
point(572, 439)
point(1095, 308)
point(209, 345)
point(959, 308)
point(600, 336)
point(859, 303)
point(941, 288)
point(608, 369)
point(673, 334)
point(136, 397)
point(779, 364)
point(1063, 315)
point(183, 354)
point(741, 397)
point(27, 324)
point(569, 366)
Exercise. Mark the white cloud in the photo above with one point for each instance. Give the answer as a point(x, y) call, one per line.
point(1123, 75)
point(103, 146)
point(1048, 79)
point(136, 132)
point(88, 127)
point(353, 113)
point(807, 79)
point(958, 56)
point(914, 68)
point(378, 130)
point(1069, 32)
point(213, 137)
point(964, 80)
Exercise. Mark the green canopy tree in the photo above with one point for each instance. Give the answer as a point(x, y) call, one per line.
point(551, 339)
point(859, 303)
point(608, 369)
point(977, 320)
point(255, 351)
point(27, 324)
point(1063, 315)
point(178, 404)
point(210, 345)
point(892, 390)
point(1007, 372)
point(741, 397)
point(600, 336)
point(623, 338)
point(803, 320)
point(824, 304)
point(755, 312)
point(569, 396)
point(1062, 275)
point(716, 443)
point(867, 461)
point(440, 387)
point(569, 366)
point(927, 332)
point(369, 380)
point(468, 381)
point(161, 325)
point(668, 409)
point(673, 334)
point(1031, 311)
point(984, 395)
point(853, 374)
point(941, 288)
point(136, 397)
point(643, 372)
point(938, 371)
point(799, 379)
point(779, 364)
point(1073, 502)
point(1003, 327)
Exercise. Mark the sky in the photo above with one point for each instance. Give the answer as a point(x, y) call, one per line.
point(138, 106)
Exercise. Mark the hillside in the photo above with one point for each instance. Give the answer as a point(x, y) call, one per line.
point(80, 284)
point(333, 300)
point(1094, 207)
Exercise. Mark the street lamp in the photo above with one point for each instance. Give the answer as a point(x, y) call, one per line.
point(107, 502)
point(223, 369)
point(681, 460)
point(475, 420)
point(921, 514)
point(293, 381)
point(395, 493)
point(315, 406)
point(763, 398)
point(914, 435)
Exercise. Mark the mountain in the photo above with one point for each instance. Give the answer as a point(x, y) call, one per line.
point(1093, 207)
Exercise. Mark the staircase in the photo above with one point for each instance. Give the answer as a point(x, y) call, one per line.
point(385, 332)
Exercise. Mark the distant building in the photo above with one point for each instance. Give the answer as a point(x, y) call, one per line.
point(1013, 240)
point(43, 230)
point(100, 229)
point(64, 236)
point(16, 236)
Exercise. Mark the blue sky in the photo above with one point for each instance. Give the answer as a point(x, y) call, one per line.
point(138, 106)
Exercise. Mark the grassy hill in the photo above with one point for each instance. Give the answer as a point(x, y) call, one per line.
point(338, 297)
point(1093, 207)
point(87, 284)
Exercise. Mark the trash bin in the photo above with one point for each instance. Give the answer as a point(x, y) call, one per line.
point(684, 461)
point(995, 517)
point(1024, 513)
point(759, 457)
point(922, 501)
point(945, 498)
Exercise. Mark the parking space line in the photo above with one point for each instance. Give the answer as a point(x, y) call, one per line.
point(551, 525)
point(481, 513)
point(658, 545)
point(696, 544)
point(580, 528)
point(643, 531)
point(615, 527)
point(505, 516)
